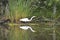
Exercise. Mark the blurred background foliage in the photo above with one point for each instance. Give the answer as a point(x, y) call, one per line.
point(27, 8)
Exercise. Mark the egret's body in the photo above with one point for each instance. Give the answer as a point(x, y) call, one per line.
point(26, 28)
point(26, 19)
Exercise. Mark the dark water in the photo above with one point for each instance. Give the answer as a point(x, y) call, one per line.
point(43, 32)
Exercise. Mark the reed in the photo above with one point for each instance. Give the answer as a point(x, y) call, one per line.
point(19, 9)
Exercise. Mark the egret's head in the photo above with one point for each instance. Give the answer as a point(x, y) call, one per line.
point(34, 16)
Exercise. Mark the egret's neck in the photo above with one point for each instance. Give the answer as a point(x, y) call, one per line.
point(31, 18)
point(32, 29)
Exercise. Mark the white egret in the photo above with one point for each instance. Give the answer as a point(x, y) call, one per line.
point(26, 19)
point(26, 28)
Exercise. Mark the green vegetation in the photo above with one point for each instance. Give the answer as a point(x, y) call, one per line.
point(19, 9)
point(28, 8)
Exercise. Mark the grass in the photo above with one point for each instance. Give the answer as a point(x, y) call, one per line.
point(19, 9)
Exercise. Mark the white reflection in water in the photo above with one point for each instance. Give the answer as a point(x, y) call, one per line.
point(26, 28)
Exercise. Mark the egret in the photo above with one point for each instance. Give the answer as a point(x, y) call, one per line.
point(26, 28)
point(26, 19)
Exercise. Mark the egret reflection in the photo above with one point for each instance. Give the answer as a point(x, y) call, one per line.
point(27, 27)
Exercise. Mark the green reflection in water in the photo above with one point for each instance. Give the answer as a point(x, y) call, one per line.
point(43, 32)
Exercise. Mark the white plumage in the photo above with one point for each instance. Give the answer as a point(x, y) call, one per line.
point(26, 28)
point(26, 19)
